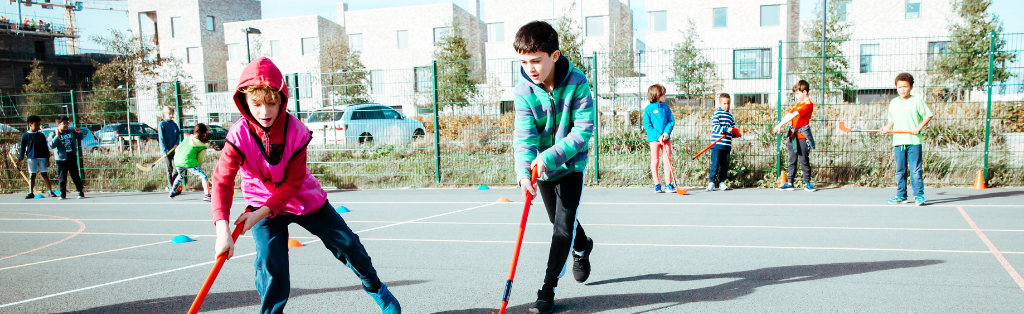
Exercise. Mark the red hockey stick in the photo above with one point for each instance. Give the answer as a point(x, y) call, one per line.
point(213, 273)
point(707, 148)
point(519, 245)
point(671, 169)
point(844, 128)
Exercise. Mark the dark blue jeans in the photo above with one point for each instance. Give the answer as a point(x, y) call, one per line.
point(719, 164)
point(908, 156)
point(271, 235)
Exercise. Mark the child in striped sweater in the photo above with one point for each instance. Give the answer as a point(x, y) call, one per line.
point(722, 125)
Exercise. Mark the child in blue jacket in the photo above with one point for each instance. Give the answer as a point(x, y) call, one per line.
point(658, 123)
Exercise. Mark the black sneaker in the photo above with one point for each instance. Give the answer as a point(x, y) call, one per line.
point(581, 264)
point(81, 195)
point(30, 196)
point(53, 194)
point(545, 302)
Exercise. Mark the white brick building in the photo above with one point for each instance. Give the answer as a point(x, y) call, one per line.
point(744, 37)
point(191, 31)
point(293, 43)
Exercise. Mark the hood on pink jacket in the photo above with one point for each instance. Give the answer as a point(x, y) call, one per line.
point(262, 71)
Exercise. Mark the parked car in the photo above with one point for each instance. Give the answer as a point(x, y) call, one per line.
point(89, 141)
point(363, 124)
point(217, 134)
point(115, 135)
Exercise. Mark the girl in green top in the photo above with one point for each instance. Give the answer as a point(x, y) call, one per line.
point(188, 157)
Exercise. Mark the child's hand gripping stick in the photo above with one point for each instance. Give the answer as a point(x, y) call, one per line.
point(198, 302)
point(519, 245)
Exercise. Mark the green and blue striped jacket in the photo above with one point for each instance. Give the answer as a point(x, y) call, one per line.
point(555, 126)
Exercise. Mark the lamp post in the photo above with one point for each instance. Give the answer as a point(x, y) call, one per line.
point(247, 31)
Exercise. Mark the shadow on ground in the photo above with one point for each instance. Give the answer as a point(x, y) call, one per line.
point(215, 301)
point(747, 282)
point(975, 197)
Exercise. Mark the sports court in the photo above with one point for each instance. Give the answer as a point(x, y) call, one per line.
point(448, 251)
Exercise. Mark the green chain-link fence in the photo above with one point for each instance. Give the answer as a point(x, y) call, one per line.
point(451, 123)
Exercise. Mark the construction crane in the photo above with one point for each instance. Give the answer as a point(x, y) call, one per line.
point(70, 7)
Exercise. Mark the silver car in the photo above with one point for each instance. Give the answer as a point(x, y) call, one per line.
point(89, 141)
point(365, 124)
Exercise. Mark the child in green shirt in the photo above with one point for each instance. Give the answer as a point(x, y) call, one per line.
point(907, 112)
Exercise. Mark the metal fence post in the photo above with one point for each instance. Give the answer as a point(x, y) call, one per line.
point(295, 93)
point(778, 118)
point(177, 107)
point(988, 107)
point(437, 135)
point(74, 119)
point(597, 126)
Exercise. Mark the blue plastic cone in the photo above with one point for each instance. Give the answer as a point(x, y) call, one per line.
point(40, 196)
point(483, 187)
point(342, 209)
point(56, 192)
point(181, 239)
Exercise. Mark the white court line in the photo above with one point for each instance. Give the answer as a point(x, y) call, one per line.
point(83, 255)
point(211, 262)
point(702, 246)
point(588, 224)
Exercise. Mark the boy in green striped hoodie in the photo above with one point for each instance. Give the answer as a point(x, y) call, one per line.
point(554, 121)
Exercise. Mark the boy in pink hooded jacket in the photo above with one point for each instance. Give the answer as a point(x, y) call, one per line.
point(268, 146)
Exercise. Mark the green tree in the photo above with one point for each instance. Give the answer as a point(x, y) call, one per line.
point(694, 74)
point(453, 68)
point(343, 71)
point(136, 65)
point(966, 65)
point(41, 100)
point(570, 41)
point(836, 65)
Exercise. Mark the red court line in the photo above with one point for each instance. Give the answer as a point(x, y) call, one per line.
point(81, 227)
point(992, 248)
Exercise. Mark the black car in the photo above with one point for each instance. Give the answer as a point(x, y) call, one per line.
point(217, 134)
point(116, 135)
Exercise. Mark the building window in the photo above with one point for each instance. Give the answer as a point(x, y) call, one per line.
point(423, 79)
point(439, 34)
point(214, 117)
point(233, 52)
point(355, 42)
point(211, 87)
point(752, 63)
point(275, 48)
point(403, 39)
point(720, 17)
point(867, 57)
point(192, 55)
point(935, 49)
point(209, 24)
point(174, 26)
point(658, 21)
point(770, 15)
point(913, 9)
point(844, 10)
point(595, 26)
point(495, 32)
point(376, 82)
point(308, 46)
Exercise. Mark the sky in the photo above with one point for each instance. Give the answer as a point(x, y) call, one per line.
point(97, 23)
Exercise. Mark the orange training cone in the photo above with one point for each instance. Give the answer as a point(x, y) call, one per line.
point(503, 200)
point(979, 182)
point(294, 243)
point(782, 178)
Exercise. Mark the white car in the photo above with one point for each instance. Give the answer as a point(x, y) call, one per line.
point(362, 124)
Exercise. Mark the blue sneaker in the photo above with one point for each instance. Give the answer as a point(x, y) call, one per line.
point(809, 187)
point(670, 188)
point(896, 200)
point(657, 188)
point(786, 187)
point(387, 302)
point(920, 200)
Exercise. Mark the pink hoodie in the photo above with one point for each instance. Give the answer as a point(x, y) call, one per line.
point(272, 160)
